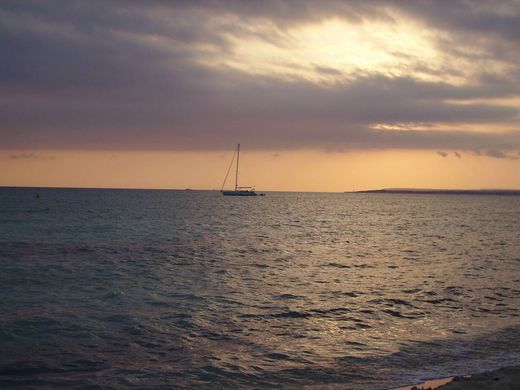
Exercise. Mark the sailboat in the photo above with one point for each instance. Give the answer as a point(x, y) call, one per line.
point(238, 191)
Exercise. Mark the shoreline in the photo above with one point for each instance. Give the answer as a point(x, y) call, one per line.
point(440, 192)
point(429, 384)
point(506, 378)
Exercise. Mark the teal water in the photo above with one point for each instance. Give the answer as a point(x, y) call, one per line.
point(183, 289)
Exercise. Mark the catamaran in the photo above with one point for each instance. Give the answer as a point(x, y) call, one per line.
point(238, 191)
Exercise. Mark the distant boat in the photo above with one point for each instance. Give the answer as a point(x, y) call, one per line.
point(238, 191)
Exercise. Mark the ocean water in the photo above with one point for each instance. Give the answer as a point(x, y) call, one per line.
point(183, 289)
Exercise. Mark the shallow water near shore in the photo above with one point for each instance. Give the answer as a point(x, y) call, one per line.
point(142, 288)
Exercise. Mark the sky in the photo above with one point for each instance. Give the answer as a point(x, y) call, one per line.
point(322, 95)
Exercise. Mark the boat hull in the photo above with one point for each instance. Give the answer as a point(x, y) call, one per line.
point(239, 193)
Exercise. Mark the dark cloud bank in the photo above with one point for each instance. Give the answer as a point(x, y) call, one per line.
point(91, 75)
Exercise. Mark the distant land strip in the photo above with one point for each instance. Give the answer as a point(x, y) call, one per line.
point(438, 192)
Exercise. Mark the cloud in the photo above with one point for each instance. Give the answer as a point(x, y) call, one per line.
point(327, 70)
point(30, 156)
point(129, 75)
point(495, 153)
point(442, 154)
point(499, 19)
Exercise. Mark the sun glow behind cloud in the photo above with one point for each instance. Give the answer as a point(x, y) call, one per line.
point(334, 51)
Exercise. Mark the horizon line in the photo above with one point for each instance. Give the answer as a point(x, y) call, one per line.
point(376, 190)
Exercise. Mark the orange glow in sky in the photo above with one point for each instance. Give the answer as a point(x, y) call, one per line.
point(289, 171)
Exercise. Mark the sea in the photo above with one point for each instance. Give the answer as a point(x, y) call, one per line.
point(159, 289)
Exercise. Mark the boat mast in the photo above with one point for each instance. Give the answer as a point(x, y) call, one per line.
point(236, 173)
